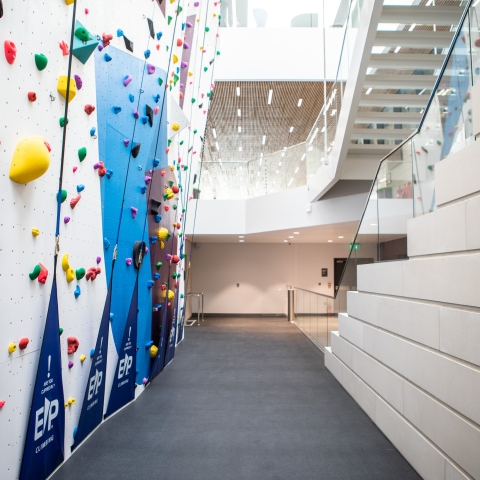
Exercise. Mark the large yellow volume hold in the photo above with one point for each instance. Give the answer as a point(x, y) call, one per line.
point(62, 87)
point(65, 262)
point(171, 295)
point(30, 161)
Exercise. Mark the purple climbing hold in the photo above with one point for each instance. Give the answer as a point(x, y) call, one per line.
point(100, 47)
point(66, 219)
point(148, 179)
point(127, 80)
point(196, 4)
point(128, 261)
point(126, 142)
point(78, 82)
point(150, 69)
point(186, 46)
point(189, 25)
point(70, 364)
point(184, 64)
point(99, 259)
point(134, 211)
point(135, 113)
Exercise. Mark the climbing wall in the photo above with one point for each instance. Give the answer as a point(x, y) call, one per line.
point(141, 79)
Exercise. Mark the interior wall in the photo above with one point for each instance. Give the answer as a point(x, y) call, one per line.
point(262, 271)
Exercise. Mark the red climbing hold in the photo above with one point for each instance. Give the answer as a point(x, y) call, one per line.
point(49, 148)
point(163, 174)
point(2, 403)
point(42, 278)
point(64, 48)
point(167, 208)
point(74, 201)
point(92, 273)
point(106, 37)
point(179, 43)
point(89, 109)
point(101, 169)
point(32, 96)
point(175, 189)
point(23, 343)
point(175, 258)
point(10, 51)
point(73, 344)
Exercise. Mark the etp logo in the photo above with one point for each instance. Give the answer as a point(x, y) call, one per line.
point(94, 384)
point(125, 365)
point(44, 416)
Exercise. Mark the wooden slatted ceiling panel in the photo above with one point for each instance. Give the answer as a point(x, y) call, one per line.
point(258, 118)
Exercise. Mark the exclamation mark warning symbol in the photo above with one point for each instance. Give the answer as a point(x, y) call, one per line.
point(101, 343)
point(49, 361)
point(129, 332)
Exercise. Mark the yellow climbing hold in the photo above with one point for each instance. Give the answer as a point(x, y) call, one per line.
point(175, 127)
point(83, 358)
point(70, 275)
point(190, 74)
point(169, 193)
point(175, 59)
point(162, 245)
point(171, 295)
point(35, 232)
point(162, 233)
point(69, 2)
point(62, 87)
point(65, 262)
point(30, 161)
point(153, 351)
point(71, 401)
point(12, 347)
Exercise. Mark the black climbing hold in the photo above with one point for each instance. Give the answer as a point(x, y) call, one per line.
point(190, 149)
point(211, 61)
point(150, 26)
point(136, 150)
point(1, 9)
point(195, 179)
point(154, 206)
point(138, 253)
point(128, 43)
point(149, 113)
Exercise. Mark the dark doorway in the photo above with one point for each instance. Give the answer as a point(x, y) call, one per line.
point(338, 266)
point(350, 276)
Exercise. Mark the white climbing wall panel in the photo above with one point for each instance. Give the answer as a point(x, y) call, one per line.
point(38, 27)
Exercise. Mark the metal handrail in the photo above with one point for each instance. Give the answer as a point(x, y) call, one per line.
point(199, 295)
point(316, 293)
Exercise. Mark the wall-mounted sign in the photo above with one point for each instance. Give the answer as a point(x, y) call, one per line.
point(324, 272)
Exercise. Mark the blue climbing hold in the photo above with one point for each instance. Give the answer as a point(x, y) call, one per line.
point(156, 276)
point(112, 317)
point(150, 283)
point(143, 189)
point(131, 98)
point(92, 131)
point(156, 162)
point(77, 291)
point(107, 57)
point(149, 344)
point(158, 217)
point(119, 32)
point(117, 109)
point(109, 174)
point(147, 53)
point(178, 69)
point(183, 26)
point(92, 352)
point(157, 98)
point(75, 430)
point(159, 35)
point(144, 120)
point(153, 239)
point(106, 243)
point(80, 188)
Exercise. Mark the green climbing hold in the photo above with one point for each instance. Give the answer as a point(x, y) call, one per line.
point(178, 167)
point(218, 52)
point(169, 142)
point(82, 153)
point(35, 273)
point(181, 295)
point(179, 186)
point(181, 142)
point(176, 78)
point(174, 207)
point(193, 100)
point(159, 265)
point(205, 69)
point(63, 121)
point(160, 81)
point(82, 34)
point(185, 167)
point(183, 210)
point(179, 10)
point(430, 167)
point(195, 131)
point(439, 142)
point(207, 29)
point(170, 88)
point(64, 195)
point(209, 94)
point(180, 234)
point(171, 182)
point(60, 330)
point(41, 61)
point(80, 273)
point(169, 19)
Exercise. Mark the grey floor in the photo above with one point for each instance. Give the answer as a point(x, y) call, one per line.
point(243, 399)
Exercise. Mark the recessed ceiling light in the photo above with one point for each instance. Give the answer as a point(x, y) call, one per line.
point(239, 129)
point(299, 104)
point(285, 241)
point(239, 112)
point(263, 139)
point(241, 241)
point(330, 241)
point(368, 91)
point(239, 149)
point(217, 145)
point(340, 236)
point(214, 132)
point(296, 233)
point(241, 236)
point(291, 129)
point(238, 91)
point(373, 224)
point(291, 237)
point(303, 157)
point(270, 94)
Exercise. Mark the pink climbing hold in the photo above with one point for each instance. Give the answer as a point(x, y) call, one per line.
point(127, 80)
point(134, 211)
point(167, 208)
point(10, 51)
point(150, 69)
point(145, 381)
point(2, 403)
point(157, 109)
point(74, 201)
point(42, 278)
point(66, 220)
point(99, 259)
point(75, 169)
point(126, 142)
point(128, 261)
point(135, 113)
point(87, 11)
point(147, 179)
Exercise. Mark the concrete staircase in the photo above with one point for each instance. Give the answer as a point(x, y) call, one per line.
point(408, 350)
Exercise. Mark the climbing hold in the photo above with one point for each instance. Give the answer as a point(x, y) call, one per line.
point(60, 331)
point(106, 243)
point(30, 161)
point(70, 364)
point(65, 262)
point(150, 283)
point(92, 352)
point(163, 234)
point(175, 189)
point(35, 232)
point(150, 69)
point(154, 204)
point(136, 150)
point(83, 358)
point(153, 351)
point(112, 316)
point(135, 113)
point(82, 153)
point(71, 401)
point(42, 278)
point(89, 109)
point(145, 380)
point(82, 34)
point(74, 201)
point(184, 64)
point(70, 275)
point(32, 96)
point(80, 188)
point(2, 402)
point(35, 273)
point(146, 53)
point(10, 51)
point(179, 42)
point(64, 196)
point(92, 132)
point(175, 127)
point(207, 29)
point(128, 261)
point(100, 168)
point(77, 291)
point(12, 347)
point(134, 211)
point(107, 57)
point(175, 59)
point(106, 37)
point(119, 32)
point(79, 273)
point(109, 174)
point(126, 142)
point(131, 97)
point(149, 113)
point(62, 87)
point(98, 260)
point(157, 109)
point(167, 208)
point(117, 109)
point(63, 121)
point(127, 80)
point(41, 61)
point(92, 273)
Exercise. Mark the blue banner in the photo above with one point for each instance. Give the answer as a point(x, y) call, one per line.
point(44, 443)
point(92, 407)
point(123, 387)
